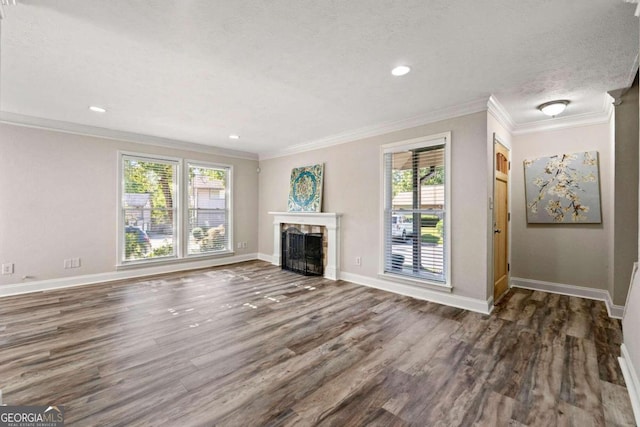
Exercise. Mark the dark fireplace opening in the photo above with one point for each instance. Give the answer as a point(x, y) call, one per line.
point(302, 252)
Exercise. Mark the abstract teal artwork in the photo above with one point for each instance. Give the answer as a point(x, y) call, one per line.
point(305, 190)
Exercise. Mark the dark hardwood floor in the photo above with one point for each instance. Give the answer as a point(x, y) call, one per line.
point(252, 345)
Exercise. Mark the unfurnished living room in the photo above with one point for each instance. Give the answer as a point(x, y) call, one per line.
point(335, 213)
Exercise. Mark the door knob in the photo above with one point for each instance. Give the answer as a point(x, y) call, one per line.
point(497, 230)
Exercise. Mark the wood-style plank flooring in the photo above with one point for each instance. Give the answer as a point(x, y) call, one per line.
point(252, 345)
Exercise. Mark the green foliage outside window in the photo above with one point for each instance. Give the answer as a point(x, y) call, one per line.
point(403, 178)
point(133, 249)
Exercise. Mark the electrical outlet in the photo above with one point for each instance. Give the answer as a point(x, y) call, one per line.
point(358, 260)
point(7, 268)
point(75, 262)
point(68, 263)
point(244, 245)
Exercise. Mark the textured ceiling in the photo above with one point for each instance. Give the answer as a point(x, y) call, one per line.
point(281, 73)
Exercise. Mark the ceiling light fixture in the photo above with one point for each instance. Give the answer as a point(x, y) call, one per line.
point(97, 109)
point(553, 108)
point(400, 70)
point(234, 136)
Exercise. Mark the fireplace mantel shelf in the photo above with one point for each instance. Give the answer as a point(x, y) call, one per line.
point(307, 214)
point(330, 220)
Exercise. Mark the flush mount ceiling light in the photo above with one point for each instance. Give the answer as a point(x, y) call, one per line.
point(97, 109)
point(400, 70)
point(553, 108)
point(234, 136)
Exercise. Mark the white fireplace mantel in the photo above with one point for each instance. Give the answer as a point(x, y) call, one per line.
point(330, 220)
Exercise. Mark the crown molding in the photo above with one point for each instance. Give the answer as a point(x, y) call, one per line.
point(586, 119)
point(500, 113)
point(637, 12)
point(94, 131)
point(492, 106)
point(617, 94)
point(367, 132)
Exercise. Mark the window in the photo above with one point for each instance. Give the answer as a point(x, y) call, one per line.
point(415, 215)
point(149, 208)
point(154, 226)
point(208, 209)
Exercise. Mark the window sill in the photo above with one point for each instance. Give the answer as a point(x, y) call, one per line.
point(171, 260)
point(444, 287)
point(208, 255)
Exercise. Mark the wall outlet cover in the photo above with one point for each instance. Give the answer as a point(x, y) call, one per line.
point(7, 268)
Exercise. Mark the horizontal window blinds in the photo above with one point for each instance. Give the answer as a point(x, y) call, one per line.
point(208, 226)
point(414, 215)
point(149, 208)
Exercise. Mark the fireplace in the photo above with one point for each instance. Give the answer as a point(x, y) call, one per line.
point(302, 252)
point(331, 224)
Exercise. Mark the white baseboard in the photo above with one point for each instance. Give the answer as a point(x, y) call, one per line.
point(615, 311)
point(89, 279)
point(632, 380)
point(440, 297)
point(265, 257)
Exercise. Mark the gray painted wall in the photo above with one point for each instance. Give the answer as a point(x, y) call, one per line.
point(631, 320)
point(59, 200)
point(626, 191)
point(352, 185)
point(571, 254)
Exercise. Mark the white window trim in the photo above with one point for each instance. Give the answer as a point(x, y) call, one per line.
point(181, 252)
point(394, 147)
point(228, 199)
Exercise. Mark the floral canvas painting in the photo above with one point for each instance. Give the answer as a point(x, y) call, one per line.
point(305, 190)
point(564, 188)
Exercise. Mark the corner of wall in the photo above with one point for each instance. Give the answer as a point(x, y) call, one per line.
point(632, 381)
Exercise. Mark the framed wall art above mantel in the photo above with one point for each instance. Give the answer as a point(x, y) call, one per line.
point(305, 189)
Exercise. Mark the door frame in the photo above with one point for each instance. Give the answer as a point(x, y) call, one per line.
point(498, 140)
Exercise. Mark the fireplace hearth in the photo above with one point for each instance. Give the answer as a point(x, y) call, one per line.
point(302, 252)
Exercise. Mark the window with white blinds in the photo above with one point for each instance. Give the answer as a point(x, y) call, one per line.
point(149, 208)
point(416, 238)
point(208, 216)
point(171, 208)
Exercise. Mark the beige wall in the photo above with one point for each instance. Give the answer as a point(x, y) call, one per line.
point(630, 324)
point(626, 192)
point(352, 187)
point(58, 200)
point(573, 254)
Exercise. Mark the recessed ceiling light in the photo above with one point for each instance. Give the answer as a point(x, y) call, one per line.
point(553, 108)
point(400, 70)
point(232, 136)
point(97, 109)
